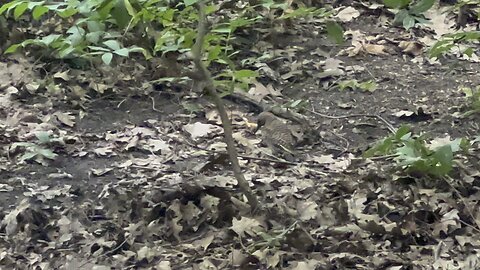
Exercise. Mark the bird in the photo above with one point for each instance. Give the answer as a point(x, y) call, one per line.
point(277, 135)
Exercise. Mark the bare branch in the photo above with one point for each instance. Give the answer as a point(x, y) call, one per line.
point(205, 77)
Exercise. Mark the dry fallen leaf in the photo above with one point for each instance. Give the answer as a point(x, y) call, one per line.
point(440, 20)
point(307, 210)
point(375, 49)
point(204, 242)
point(260, 91)
point(65, 118)
point(411, 47)
point(199, 130)
point(347, 14)
point(246, 226)
point(62, 75)
point(403, 113)
point(158, 145)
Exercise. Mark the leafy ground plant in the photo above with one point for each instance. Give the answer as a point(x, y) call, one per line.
point(414, 154)
point(105, 30)
point(37, 151)
point(461, 41)
point(472, 97)
point(367, 86)
point(408, 12)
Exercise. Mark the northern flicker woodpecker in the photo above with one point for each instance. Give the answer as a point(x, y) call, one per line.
point(276, 135)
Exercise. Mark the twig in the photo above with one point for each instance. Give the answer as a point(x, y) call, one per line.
point(345, 148)
point(153, 105)
point(269, 160)
point(390, 127)
point(105, 254)
point(206, 77)
point(277, 160)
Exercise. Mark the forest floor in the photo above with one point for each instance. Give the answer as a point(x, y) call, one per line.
point(134, 183)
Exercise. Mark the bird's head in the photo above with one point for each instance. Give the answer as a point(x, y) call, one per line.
point(263, 119)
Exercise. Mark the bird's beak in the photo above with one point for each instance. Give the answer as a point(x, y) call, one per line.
point(257, 128)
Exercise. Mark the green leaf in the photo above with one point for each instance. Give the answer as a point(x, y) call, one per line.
point(49, 39)
point(77, 35)
point(122, 52)
point(443, 160)
point(57, 7)
point(136, 49)
point(214, 53)
point(145, 53)
point(97, 48)
point(128, 6)
point(107, 58)
point(422, 6)
point(369, 86)
point(210, 9)
point(121, 14)
point(94, 37)
point(397, 4)
point(335, 32)
point(192, 107)
point(469, 51)
point(28, 156)
point(43, 137)
point(467, 91)
point(403, 133)
point(21, 144)
point(421, 20)
point(381, 148)
point(94, 26)
point(13, 48)
point(408, 22)
point(33, 4)
point(8, 6)
point(39, 11)
point(441, 47)
point(407, 152)
point(19, 10)
point(47, 153)
point(299, 12)
point(66, 51)
point(112, 44)
point(245, 73)
point(399, 17)
point(456, 145)
point(241, 22)
point(67, 13)
point(352, 84)
point(190, 2)
point(225, 30)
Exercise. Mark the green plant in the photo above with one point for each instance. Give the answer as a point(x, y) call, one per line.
point(101, 29)
point(466, 10)
point(369, 86)
point(272, 239)
point(472, 97)
point(90, 35)
point(37, 151)
point(415, 155)
point(463, 41)
point(296, 104)
point(449, 41)
point(409, 12)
